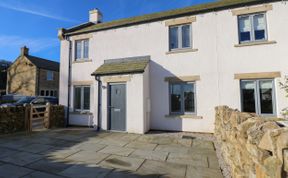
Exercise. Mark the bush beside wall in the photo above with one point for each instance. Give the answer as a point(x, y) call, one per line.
point(251, 145)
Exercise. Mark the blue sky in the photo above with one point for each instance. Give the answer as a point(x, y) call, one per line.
point(35, 22)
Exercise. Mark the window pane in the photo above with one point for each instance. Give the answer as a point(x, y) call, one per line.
point(51, 93)
point(189, 97)
point(173, 37)
point(49, 75)
point(86, 98)
point(55, 93)
point(245, 28)
point(259, 27)
point(175, 98)
point(42, 93)
point(78, 49)
point(86, 49)
point(266, 99)
point(77, 98)
point(248, 96)
point(47, 93)
point(186, 36)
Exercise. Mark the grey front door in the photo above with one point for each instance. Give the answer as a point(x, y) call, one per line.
point(117, 107)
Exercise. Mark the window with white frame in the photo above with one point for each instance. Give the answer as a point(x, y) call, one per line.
point(81, 50)
point(252, 27)
point(49, 75)
point(257, 96)
point(180, 37)
point(82, 98)
point(182, 98)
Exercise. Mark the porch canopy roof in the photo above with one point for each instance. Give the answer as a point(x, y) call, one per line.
point(123, 66)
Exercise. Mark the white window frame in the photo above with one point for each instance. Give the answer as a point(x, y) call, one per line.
point(257, 95)
point(182, 112)
point(179, 30)
point(82, 98)
point(82, 58)
point(252, 28)
point(49, 75)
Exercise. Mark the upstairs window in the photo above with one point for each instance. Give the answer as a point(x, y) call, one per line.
point(180, 37)
point(252, 27)
point(49, 75)
point(182, 98)
point(81, 50)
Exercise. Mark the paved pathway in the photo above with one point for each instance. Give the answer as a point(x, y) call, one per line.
point(84, 153)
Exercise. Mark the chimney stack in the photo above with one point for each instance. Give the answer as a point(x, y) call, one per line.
point(24, 51)
point(95, 16)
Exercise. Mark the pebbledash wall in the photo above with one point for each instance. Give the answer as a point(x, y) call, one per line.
point(216, 58)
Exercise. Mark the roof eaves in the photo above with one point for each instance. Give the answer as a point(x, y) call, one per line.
point(192, 10)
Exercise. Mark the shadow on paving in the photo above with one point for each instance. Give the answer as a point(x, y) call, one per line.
point(43, 155)
point(85, 153)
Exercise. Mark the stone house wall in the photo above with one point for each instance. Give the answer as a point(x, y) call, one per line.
point(21, 78)
point(251, 145)
point(45, 84)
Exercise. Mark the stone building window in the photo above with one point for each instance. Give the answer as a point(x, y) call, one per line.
point(82, 98)
point(49, 75)
point(82, 50)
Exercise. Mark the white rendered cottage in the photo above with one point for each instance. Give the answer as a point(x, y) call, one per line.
point(167, 71)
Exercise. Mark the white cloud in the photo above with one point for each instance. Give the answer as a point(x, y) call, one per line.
point(32, 10)
point(34, 44)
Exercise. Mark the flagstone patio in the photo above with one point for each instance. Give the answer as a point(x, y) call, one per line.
point(85, 153)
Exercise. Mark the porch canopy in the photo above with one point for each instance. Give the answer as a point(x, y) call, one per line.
point(130, 65)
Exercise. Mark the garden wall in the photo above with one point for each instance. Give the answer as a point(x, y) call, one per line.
point(251, 145)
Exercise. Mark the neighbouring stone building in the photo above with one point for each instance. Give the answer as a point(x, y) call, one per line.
point(33, 76)
point(3, 75)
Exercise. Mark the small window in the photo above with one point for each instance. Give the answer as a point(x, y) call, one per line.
point(258, 96)
point(82, 98)
point(182, 98)
point(47, 93)
point(82, 50)
point(55, 93)
point(49, 75)
point(252, 28)
point(42, 93)
point(180, 37)
point(51, 93)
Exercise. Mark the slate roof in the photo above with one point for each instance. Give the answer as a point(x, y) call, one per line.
point(192, 10)
point(123, 66)
point(44, 63)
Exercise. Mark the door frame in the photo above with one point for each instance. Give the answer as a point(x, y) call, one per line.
point(108, 104)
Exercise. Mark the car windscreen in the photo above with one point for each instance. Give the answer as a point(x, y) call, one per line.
point(25, 100)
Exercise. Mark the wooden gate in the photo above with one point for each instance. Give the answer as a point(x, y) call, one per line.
point(39, 117)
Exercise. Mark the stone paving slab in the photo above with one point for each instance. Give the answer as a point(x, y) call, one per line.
point(156, 139)
point(89, 157)
point(122, 162)
point(12, 171)
point(91, 146)
point(50, 166)
point(21, 158)
point(163, 168)
point(128, 174)
point(121, 151)
point(148, 154)
point(38, 174)
point(188, 159)
point(196, 143)
point(35, 148)
point(172, 148)
point(83, 171)
point(200, 172)
point(141, 145)
point(4, 152)
point(56, 153)
point(113, 142)
point(16, 144)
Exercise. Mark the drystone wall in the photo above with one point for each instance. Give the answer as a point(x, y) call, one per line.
point(251, 145)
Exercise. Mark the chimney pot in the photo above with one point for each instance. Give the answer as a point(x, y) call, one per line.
point(24, 51)
point(95, 16)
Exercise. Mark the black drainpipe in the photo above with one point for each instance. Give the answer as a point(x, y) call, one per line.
point(69, 80)
point(99, 102)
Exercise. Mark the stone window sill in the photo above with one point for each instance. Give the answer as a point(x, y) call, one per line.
point(185, 116)
point(82, 61)
point(181, 51)
point(254, 43)
point(81, 113)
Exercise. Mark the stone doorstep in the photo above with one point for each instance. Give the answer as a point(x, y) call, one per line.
point(121, 162)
